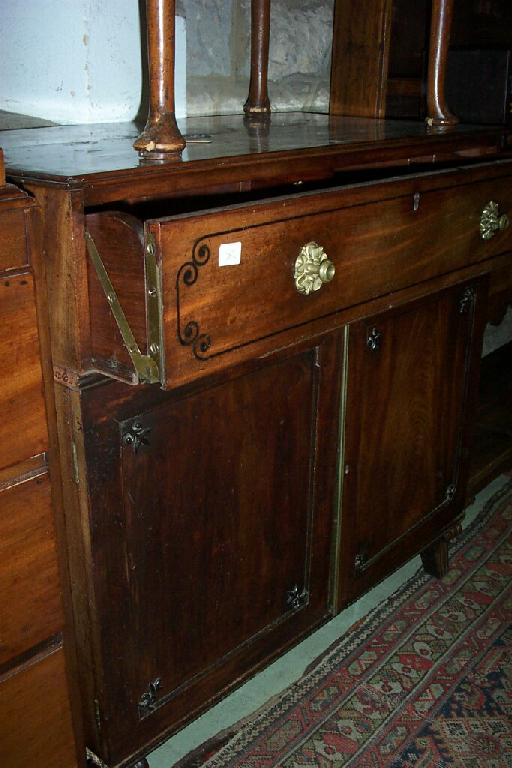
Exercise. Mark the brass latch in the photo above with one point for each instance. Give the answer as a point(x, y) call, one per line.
point(146, 366)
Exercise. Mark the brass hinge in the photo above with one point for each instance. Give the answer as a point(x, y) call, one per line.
point(146, 366)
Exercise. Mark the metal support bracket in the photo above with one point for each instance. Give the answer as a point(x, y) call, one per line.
point(146, 366)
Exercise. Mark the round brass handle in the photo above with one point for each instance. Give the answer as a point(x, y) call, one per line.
point(312, 269)
point(491, 222)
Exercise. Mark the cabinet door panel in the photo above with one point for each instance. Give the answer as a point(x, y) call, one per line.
point(216, 552)
point(409, 374)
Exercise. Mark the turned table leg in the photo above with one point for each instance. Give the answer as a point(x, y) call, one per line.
point(161, 138)
point(438, 112)
point(258, 102)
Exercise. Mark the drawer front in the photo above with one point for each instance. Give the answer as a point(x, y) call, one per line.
point(23, 426)
point(30, 606)
point(213, 305)
point(13, 239)
point(35, 719)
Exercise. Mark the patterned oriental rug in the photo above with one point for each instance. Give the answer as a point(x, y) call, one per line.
point(424, 680)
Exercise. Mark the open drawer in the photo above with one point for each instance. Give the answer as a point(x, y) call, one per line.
point(197, 290)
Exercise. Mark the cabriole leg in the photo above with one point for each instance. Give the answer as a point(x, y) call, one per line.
point(438, 113)
point(161, 138)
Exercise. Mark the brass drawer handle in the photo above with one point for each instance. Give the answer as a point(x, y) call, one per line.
point(312, 269)
point(491, 221)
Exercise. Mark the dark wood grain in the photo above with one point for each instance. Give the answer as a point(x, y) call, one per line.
point(35, 720)
point(262, 506)
point(438, 111)
point(161, 138)
point(405, 461)
point(30, 602)
point(258, 102)
point(360, 57)
point(378, 54)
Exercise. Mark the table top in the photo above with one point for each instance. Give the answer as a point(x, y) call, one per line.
point(233, 150)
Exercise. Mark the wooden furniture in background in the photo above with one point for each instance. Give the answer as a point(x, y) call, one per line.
point(35, 713)
point(360, 57)
point(381, 59)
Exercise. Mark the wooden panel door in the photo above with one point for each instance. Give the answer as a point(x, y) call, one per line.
point(409, 385)
point(211, 523)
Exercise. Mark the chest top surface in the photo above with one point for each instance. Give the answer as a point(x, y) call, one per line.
point(81, 151)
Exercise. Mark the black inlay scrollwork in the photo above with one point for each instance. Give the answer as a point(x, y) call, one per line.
point(190, 335)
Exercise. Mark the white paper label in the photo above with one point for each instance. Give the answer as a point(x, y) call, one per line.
point(230, 254)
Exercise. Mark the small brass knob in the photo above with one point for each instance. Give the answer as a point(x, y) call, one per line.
point(491, 222)
point(312, 269)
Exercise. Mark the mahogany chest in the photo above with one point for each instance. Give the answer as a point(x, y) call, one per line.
point(265, 367)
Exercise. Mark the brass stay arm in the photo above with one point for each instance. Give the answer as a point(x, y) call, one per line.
point(145, 366)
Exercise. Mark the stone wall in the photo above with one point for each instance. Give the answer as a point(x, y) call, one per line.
point(218, 54)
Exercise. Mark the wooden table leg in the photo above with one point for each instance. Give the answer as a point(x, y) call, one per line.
point(161, 138)
point(437, 109)
point(258, 102)
point(435, 557)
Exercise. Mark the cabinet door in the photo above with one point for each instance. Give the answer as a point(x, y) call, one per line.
point(410, 377)
point(212, 517)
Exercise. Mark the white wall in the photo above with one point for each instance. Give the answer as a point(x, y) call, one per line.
point(75, 61)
